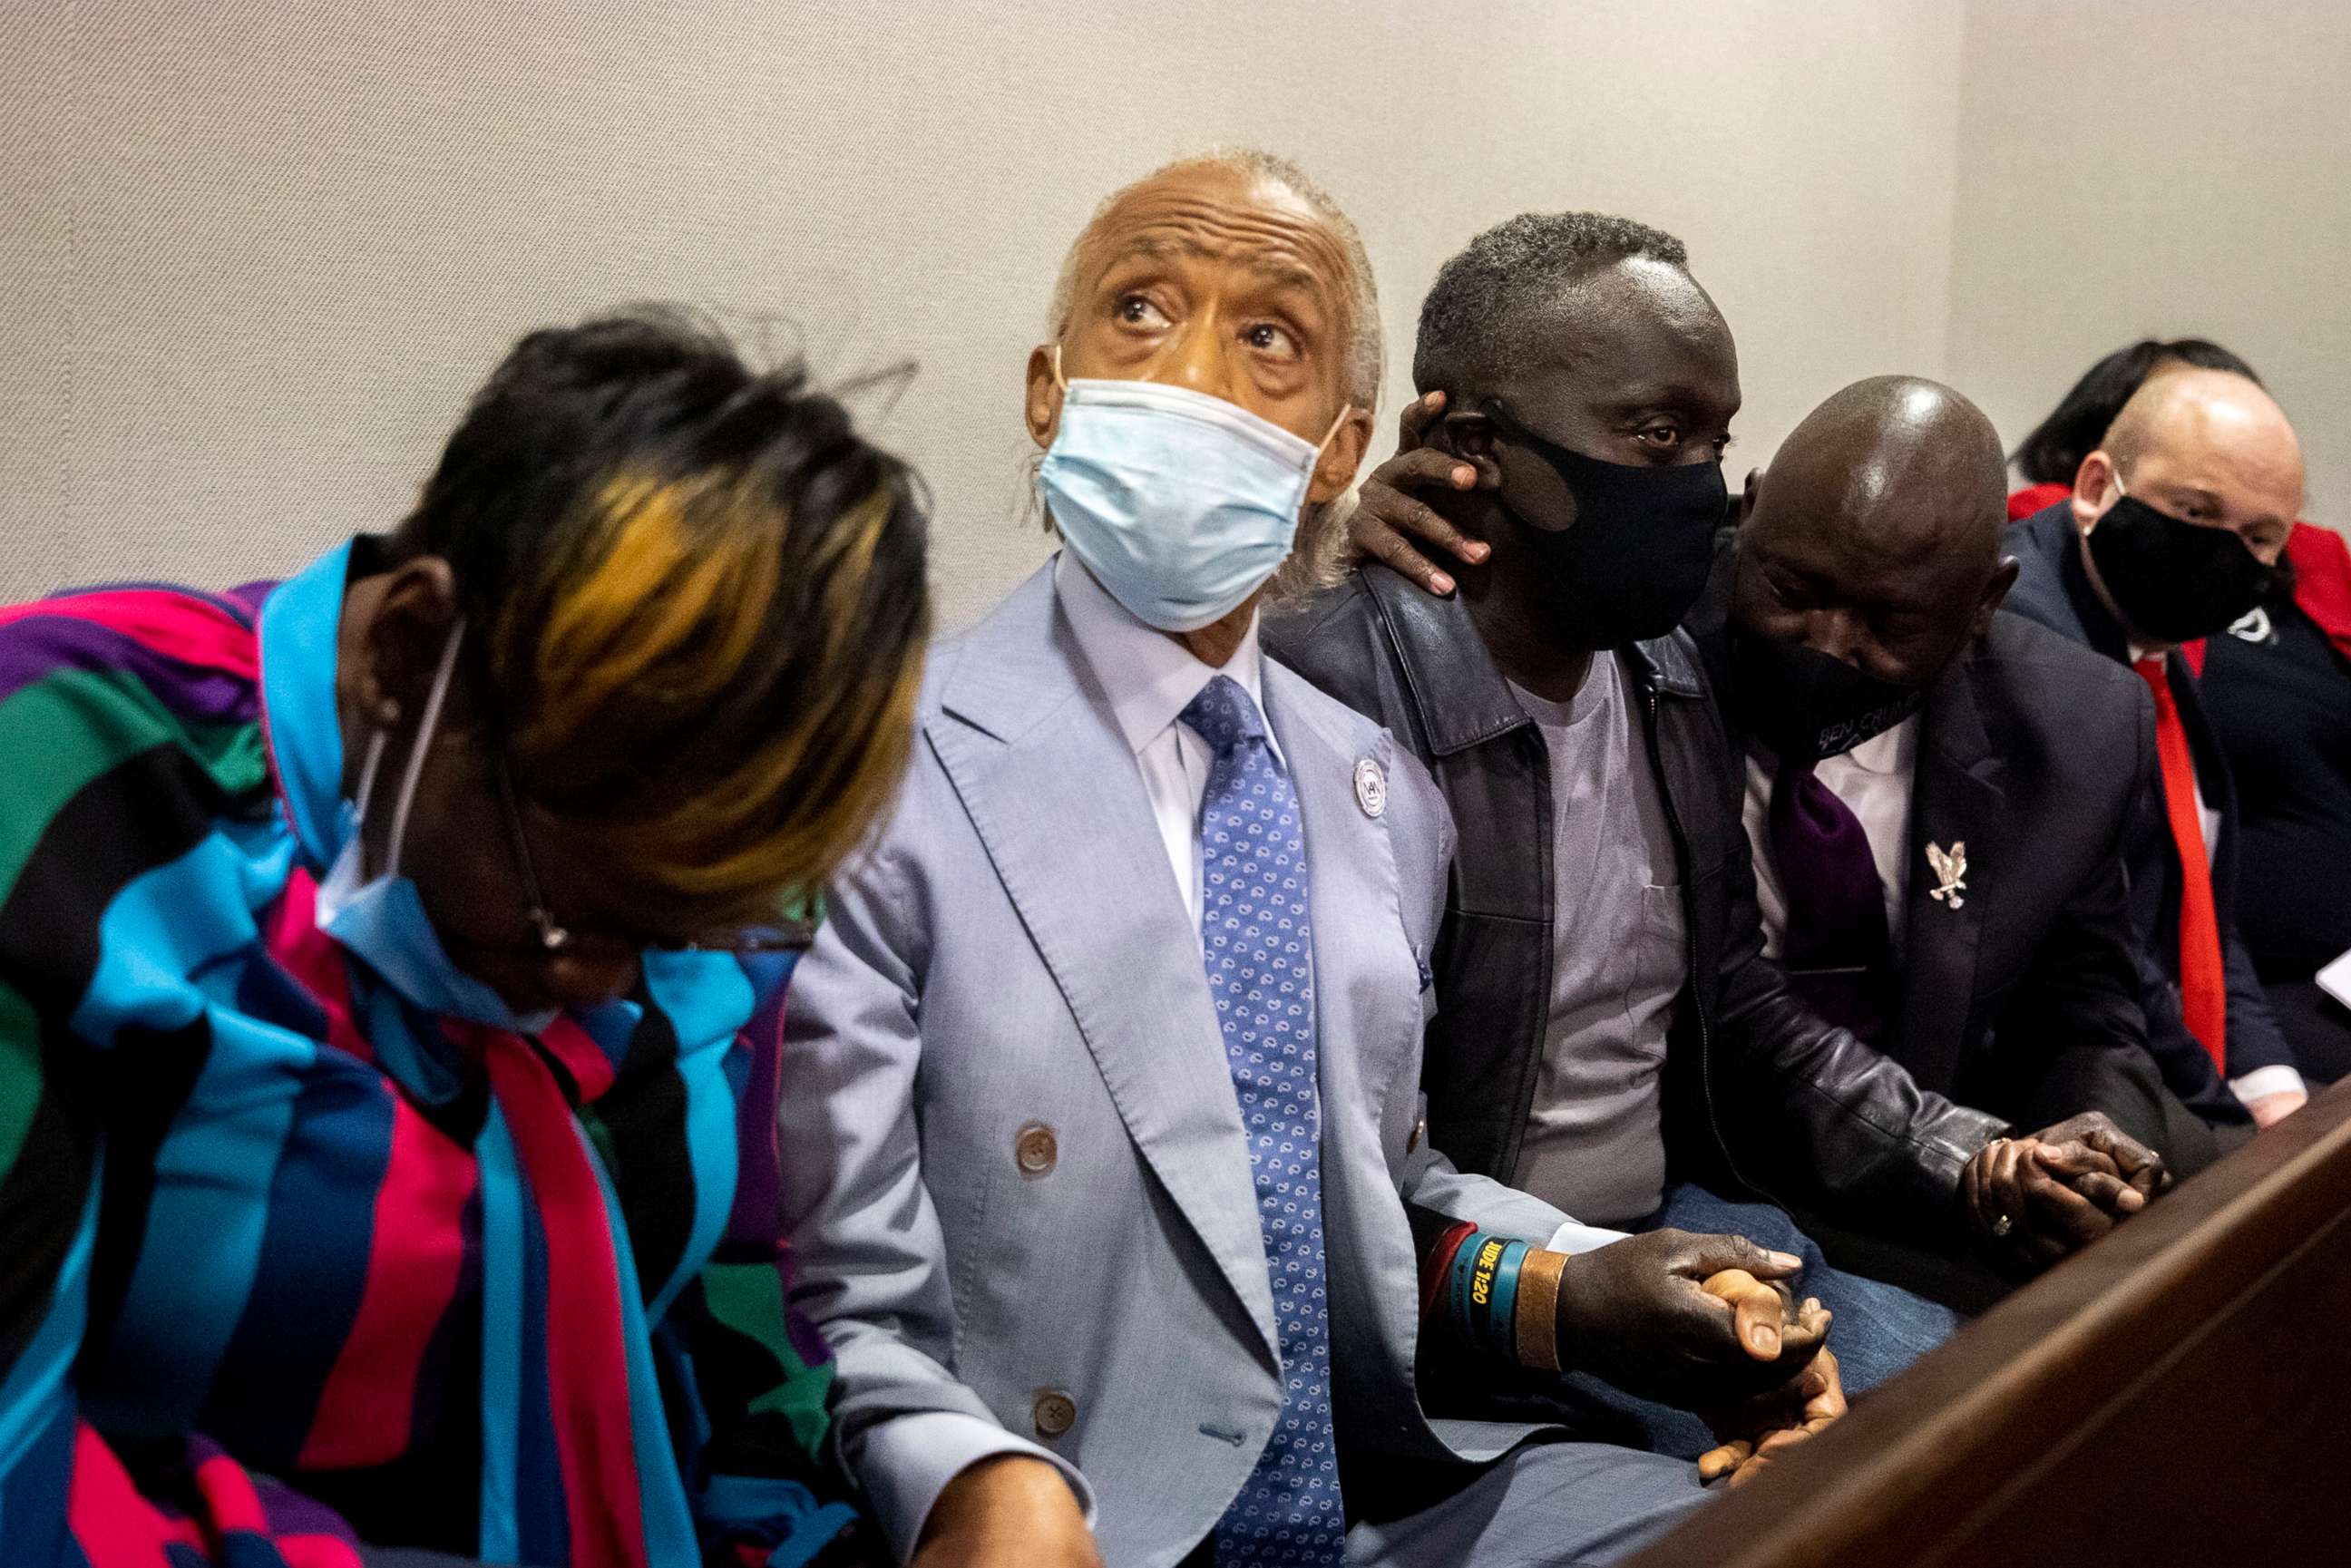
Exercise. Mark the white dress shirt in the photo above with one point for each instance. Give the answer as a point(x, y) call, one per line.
point(1150, 679)
point(1874, 780)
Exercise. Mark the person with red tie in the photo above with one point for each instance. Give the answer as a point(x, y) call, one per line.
point(2173, 531)
point(2278, 691)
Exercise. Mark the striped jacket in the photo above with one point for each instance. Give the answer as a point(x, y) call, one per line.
point(289, 1265)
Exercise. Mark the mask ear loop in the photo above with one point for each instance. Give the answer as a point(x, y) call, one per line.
point(423, 743)
point(1329, 435)
point(1057, 369)
point(1315, 463)
point(366, 774)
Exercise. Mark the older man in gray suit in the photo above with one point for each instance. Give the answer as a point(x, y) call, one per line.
point(1115, 1038)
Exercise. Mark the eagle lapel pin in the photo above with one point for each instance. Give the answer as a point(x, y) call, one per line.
point(1950, 873)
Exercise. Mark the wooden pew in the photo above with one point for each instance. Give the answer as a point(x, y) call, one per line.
point(2176, 1394)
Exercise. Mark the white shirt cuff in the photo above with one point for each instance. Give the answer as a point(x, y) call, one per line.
point(1575, 1238)
point(907, 1461)
point(2262, 1081)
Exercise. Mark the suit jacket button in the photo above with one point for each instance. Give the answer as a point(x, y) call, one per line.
point(1055, 1413)
point(1034, 1149)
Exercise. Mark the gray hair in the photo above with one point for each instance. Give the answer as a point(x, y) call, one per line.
point(1472, 323)
point(1367, 355)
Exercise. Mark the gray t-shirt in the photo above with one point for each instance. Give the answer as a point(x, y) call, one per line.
point(1595, 1146)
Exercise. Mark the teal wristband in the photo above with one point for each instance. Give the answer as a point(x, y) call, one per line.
point(1496, 1255)
point(1501, 1324)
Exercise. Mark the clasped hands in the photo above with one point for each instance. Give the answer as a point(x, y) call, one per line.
point(1707, 1323)
point(2032, 1199)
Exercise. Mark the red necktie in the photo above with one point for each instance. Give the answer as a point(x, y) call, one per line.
point(2203, 984)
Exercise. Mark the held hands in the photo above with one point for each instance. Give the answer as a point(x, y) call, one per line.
point(1766, 1426)
point(1636, 1313)
point(2033, 1200)
point(1009, 1511)
point(1391, 525)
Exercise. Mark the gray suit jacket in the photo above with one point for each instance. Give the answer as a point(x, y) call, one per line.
point(1013, 960)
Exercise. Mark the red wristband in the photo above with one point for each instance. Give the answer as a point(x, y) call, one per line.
point(1440, 1263)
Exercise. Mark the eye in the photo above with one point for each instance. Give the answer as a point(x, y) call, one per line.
point(1270, 337)
point(1662, 436)
point(1137, 310)
point(1787, 590)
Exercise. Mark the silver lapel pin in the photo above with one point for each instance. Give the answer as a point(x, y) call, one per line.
point(1370, 787)
point(1951, 871)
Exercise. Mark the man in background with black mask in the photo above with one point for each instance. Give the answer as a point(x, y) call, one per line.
point(1607, 1032)
point(2173, 531)
point(1936, 796)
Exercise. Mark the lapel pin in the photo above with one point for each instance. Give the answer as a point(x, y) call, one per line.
point(1370, 787)
point(1951, 872)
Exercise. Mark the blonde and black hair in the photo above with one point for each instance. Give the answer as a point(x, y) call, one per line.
point(699, 598)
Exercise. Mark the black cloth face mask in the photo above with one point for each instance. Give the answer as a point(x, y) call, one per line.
point(1637, 555)
point(1804, 705)
point(2175, 580)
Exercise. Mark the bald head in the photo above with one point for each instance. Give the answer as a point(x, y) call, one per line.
point(1875, 538)
point(1898, 465)
point(2203, 445)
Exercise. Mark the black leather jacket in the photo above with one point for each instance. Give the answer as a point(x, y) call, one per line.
point(1759, 1095)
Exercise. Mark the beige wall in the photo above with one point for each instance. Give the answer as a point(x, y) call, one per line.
point(2161, 168)
point(253, 256)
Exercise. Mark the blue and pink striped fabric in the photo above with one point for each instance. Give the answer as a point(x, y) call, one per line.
point(510, 1298)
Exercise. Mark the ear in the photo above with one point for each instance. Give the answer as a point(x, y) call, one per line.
point(396, 653)
point(1995, 593)
point(2092, 480)
point(1335, 469)
point(1748, 497)
point(1042, 408)
point(1471, 436)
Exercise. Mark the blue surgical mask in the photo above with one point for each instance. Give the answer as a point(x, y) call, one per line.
point(382, 920)
point(1180, 504)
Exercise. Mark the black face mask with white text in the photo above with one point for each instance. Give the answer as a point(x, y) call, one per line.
point(1638, 553)
point(1806, 705)
point(2175, 580)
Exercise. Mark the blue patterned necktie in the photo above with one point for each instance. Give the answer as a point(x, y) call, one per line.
point(1254, 931)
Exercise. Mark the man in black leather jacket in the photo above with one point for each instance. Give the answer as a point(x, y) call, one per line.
point(1592, 385)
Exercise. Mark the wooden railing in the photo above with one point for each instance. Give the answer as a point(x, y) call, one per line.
point(2178, 1394)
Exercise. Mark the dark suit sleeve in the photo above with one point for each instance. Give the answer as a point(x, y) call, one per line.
point(2073, 1036)
point(2254, 1037)
point(1873, 1139)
